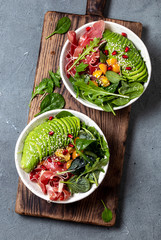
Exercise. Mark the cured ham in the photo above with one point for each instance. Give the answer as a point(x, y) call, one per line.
point(51, 184)
point(77, 47)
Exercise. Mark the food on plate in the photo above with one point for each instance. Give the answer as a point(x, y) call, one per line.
point(64, 156)
point(104, 67)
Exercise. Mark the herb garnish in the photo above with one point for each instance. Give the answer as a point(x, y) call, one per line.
point(62, 26)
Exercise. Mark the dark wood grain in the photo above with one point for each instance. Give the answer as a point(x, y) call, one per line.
point(95, 7)
point(115, 129)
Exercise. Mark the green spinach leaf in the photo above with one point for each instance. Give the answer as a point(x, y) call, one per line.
point(103, 57)
point(50, 102)
point(76, 185)
point(56, 78)
point(81, 144)
point(132, 90)
point(63, 114)
point(106, 214)
point(45, 86)
point(113, 77)
point(62, 26)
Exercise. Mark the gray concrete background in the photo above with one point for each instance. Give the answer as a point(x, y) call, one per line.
point(139, 212)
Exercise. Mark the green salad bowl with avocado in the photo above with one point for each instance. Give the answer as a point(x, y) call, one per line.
point(79, 147)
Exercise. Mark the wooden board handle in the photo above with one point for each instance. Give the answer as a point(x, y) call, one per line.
point(95, 7)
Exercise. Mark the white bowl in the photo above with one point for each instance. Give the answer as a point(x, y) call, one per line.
point(34, 187)
point(114, 27)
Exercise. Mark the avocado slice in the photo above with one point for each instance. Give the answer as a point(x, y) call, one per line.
point(64, 129)
point(117, 42)
point(59, 133)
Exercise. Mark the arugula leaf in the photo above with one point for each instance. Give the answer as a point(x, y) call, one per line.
point(81, 67)
point(56, 78)
point(45, 86)
point(93, 177)
point(87, 50)
point(81, 144)
point(106, 214)
point(50, 102)
point(113, 77)
point(62, 26)
point(76, 185)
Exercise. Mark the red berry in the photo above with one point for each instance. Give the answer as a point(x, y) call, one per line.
point(70, 135)
point(49, 159)
point(124, 56)
point(65, 151)
point(51, 133)
point(50, 118)
point(105, 52)
point(114, 53)
point(109, 68)
point(43, 167)
point(71, 145)
point(124, 34)
point(88, 28)
point(127, 49)
point(128, 68)
point(60, 164)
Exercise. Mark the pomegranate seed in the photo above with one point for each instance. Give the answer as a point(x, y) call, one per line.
point(49, 159)
point(128, 68)
point(70, 135)
point(51, 133)
point(105, 52)
point(71, 145)
point(124, 34)
point(88, 28)
point(60, 164)
point(50, 118)
point(119, 73)
point(114, 53)
point(109, 68)
point(124, 56)
point(127, 49)
point(43, 167)
point(65, 151)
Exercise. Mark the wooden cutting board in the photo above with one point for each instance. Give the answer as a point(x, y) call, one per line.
point(114, 127)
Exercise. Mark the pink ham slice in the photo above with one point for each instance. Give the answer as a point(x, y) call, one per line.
point(96, 31)
point(72, 39)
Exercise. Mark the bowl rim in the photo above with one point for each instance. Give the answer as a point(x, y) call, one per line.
point(21, 139)
point(85, 102)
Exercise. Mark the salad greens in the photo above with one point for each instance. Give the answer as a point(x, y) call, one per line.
point(106, 214)
point(50, 102)
point(62, 26)
point(93, 156)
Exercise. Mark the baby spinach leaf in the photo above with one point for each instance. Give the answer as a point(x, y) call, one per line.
point(106, 214)
point(120, 101)
point(113, 77)
point(77, 166)
point(64, 114)
point(45, 86)
point(81, 67)
point(56, 78)
point(133, 90)
point(80, 185)
point(50, 102)
point(112, 88)
point(62, 26)
point(81, 144)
